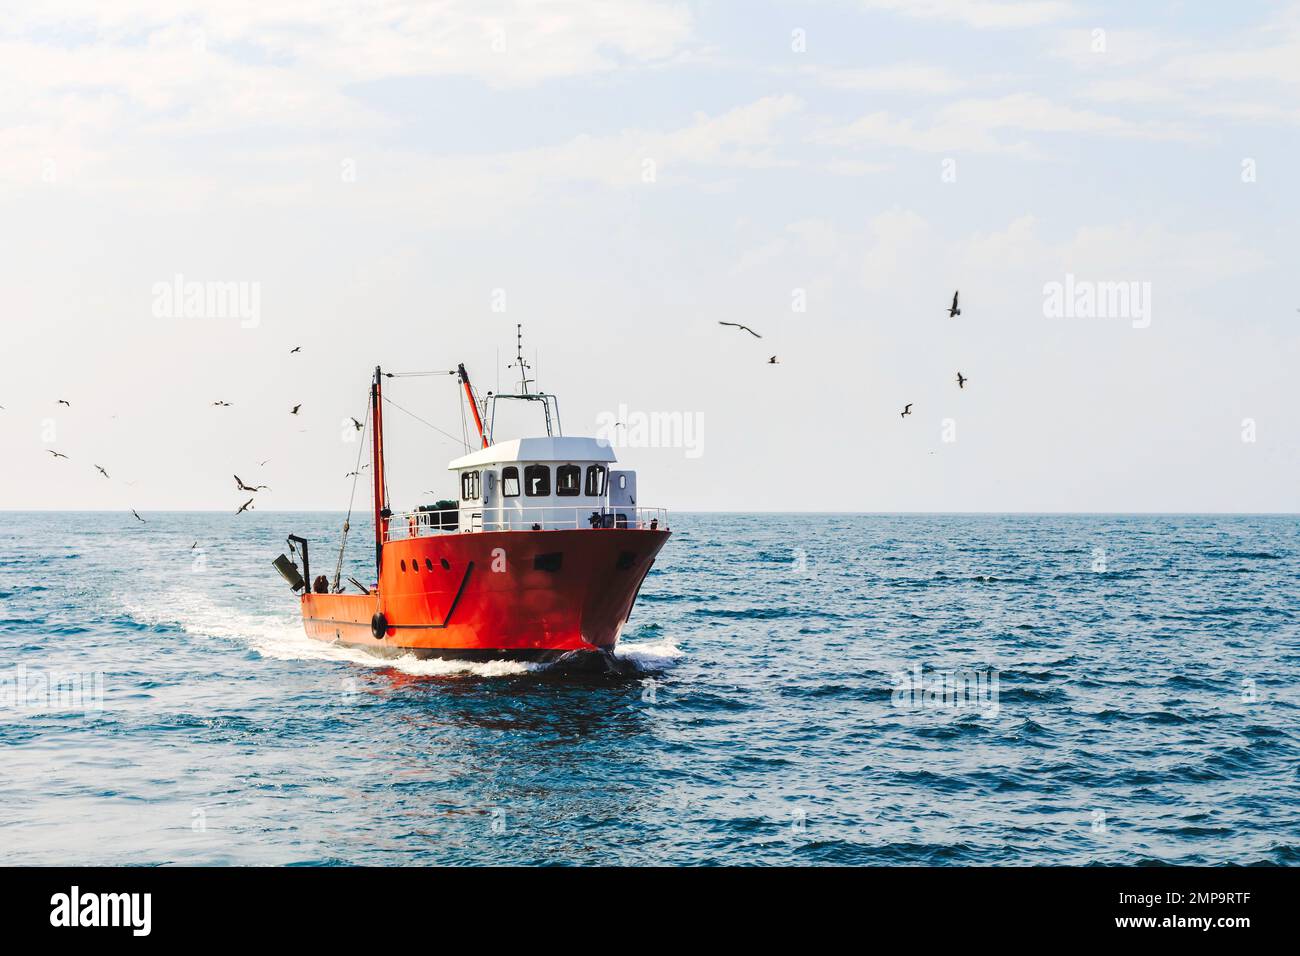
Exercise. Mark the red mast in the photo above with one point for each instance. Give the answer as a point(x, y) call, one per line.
point(473, 406)
point(382, 513)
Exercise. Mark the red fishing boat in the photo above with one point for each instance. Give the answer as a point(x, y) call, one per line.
point(542, 555)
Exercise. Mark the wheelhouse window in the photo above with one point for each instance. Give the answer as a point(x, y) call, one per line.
point(595, 481)
point(537, 480)
point(510, 482)
point(568, 480)
point(469, 485)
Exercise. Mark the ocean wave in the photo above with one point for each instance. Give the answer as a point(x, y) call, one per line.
point(776, 697)
point(649, 655)
point(1244, 555)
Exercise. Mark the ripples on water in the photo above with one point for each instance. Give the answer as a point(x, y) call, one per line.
point(1146, 712)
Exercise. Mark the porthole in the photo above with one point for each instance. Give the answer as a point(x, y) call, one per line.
point(428, 565)
point(446, 565)
point(403, 564)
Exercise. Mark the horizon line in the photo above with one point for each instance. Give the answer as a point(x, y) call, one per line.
point(1269, 514)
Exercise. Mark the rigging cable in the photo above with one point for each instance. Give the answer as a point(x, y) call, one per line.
point(423, 422)
point(347, 522)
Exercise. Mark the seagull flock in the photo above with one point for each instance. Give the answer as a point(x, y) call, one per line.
point(240, 484)
point(954, 310)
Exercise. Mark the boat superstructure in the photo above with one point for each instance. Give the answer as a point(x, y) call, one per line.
point(542, 552)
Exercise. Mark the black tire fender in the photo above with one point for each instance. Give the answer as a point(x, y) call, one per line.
point(379, 625)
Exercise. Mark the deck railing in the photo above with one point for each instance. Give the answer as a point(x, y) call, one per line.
point(420, 524)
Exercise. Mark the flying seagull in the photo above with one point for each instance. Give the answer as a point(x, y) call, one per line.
point(296, 348)
point(245, 506)
point(262, 464)
point(56, 454)
point(222, 404)
point(102, 471)
point(62, 402)
point(137, 516)
point(961, 380)
point(737, 325)
point(358, 425)
point(240, 486)
point(952, 309)
point(907, 410)
point(294, 410)
point(773, 361)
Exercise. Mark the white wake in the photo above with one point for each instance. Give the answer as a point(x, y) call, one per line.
point(280, 636)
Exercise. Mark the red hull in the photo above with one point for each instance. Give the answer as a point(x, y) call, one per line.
point(490, 594)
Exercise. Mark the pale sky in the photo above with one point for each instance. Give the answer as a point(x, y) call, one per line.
point(400, 183)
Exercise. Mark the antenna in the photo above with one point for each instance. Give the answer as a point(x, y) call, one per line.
point(519, 362)
point(550, 404)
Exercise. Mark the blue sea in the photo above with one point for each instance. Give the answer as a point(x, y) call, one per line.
point(794, 689)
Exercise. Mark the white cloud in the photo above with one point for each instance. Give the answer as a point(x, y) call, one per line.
point(1028, 111)
point(940, 137)
point(140, 73)
point(895, 78)
point(1120, 47)
point(854, 167)
point(479, 190)
point(739, 138)
point(971, 126)
point(79, 80)
point(507, 42)
point(1176, 259)
point(895, 239)
point(1252, 76)
point(983, 14)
